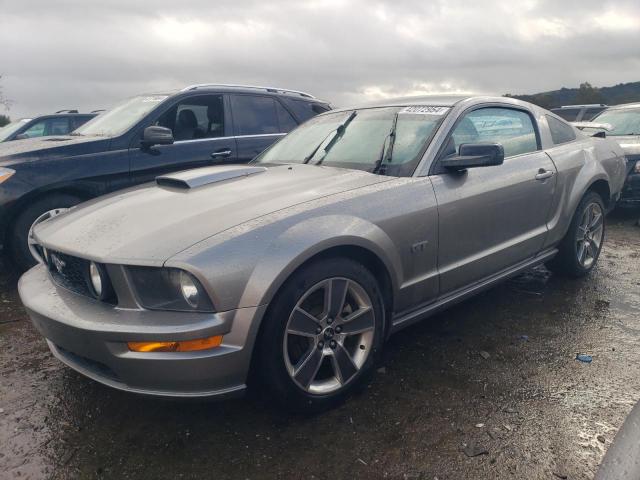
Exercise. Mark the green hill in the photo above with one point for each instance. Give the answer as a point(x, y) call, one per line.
point(585, 94)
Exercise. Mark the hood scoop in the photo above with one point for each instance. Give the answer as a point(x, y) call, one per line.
point(204, 176)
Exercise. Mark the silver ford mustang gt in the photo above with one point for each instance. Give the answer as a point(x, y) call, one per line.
point(292, 271)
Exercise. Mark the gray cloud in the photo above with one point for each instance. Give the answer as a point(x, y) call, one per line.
point(72, 53)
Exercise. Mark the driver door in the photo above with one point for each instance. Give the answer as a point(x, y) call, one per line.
point(491, 218)
point(202, 135)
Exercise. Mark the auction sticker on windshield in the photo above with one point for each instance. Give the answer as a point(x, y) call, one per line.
point(425, 110)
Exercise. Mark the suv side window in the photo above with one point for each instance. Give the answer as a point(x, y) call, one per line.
point(287, 122)
point(254, 115)
point(304, 110)
point(197, 117)
point(569, 114)
point(57, 126)
point(560, 131)
point(511, 128)
point(35, 130)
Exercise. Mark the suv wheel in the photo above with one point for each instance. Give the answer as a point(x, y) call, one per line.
point(21, 243)
point(581, 247)
point(322, 335)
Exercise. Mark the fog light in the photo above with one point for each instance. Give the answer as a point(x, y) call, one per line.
point(96, 279)
point(181, 346)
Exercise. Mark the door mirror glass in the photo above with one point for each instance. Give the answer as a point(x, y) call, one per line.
point(473, 155)
point(155, 135)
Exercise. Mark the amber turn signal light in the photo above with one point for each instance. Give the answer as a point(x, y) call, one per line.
point(182, 346)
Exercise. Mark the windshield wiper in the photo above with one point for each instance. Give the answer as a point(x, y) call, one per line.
point(337, 134)
point(386, 153)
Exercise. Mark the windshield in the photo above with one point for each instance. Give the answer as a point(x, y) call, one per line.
point(360, 141)
point(10, 129)
point(122, 117)
point(625, 121)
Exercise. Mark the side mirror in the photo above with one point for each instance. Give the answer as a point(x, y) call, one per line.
point(22, 136)
point(473, 155)
point(157, 136)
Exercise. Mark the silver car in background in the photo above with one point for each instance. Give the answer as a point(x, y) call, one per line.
point(292, 272)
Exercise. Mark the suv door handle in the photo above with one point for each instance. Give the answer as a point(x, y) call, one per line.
point(544, 174)
point(221, 154)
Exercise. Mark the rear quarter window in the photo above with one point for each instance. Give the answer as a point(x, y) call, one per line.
point(561, 132)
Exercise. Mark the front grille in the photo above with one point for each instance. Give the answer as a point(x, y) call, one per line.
point(69, 272)
point(72, 273)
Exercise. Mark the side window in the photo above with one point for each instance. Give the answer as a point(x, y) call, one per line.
point(287, 123)
point(197, 117)
point(513, 129)
point(254, 115)
point(79, 120)
point(560, 131)
point(35, 130)
point(569, 114)
point(590, 113)
point(304, 110)
point(57, 126)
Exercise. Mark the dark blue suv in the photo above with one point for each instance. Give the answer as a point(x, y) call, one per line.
point(139, 139)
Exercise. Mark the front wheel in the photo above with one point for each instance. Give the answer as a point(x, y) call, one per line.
point(581, 247)
point(322, 334)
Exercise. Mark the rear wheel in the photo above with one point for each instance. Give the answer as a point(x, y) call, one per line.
point(322, 334)
point(21, 249)
point(581, 247)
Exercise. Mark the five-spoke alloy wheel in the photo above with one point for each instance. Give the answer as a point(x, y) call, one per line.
point(329, 335)
point(321, 335)
point(580, 248)
point(590, 233)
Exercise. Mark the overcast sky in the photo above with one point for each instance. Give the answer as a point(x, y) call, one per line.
point(89, 54)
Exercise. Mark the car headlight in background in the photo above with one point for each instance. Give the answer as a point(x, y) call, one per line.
point(5, 174)
point(169, 289)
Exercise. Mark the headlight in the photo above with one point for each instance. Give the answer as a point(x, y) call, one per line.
point(169, 289)
point(5, 174)
point(189, 290)
point(637, 167)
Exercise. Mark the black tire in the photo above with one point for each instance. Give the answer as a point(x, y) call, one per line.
point(18, 248)
point(566, 262)
point(269, 366)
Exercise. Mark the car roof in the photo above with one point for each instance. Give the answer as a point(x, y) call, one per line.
point(229, 88)
point(437, 101)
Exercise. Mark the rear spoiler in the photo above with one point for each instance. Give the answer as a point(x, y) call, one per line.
point(602, 128)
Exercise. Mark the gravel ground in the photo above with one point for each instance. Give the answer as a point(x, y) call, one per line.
point(488, 389)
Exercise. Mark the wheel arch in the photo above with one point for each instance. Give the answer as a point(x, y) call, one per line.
point(35, 195)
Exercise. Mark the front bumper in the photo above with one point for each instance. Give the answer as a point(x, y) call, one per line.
point(91, 337)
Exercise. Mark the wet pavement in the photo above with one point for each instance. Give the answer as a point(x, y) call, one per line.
point(488, 389)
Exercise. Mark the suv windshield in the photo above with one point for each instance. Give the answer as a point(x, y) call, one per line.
point(122, 117)
point(10, 129)
point(361, 141)
point(624, 121)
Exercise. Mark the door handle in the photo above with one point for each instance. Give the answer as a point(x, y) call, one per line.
point(544, 174)
point(221, 154)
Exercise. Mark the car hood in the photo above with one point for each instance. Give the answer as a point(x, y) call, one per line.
point(34, 148)
point(147, 225)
